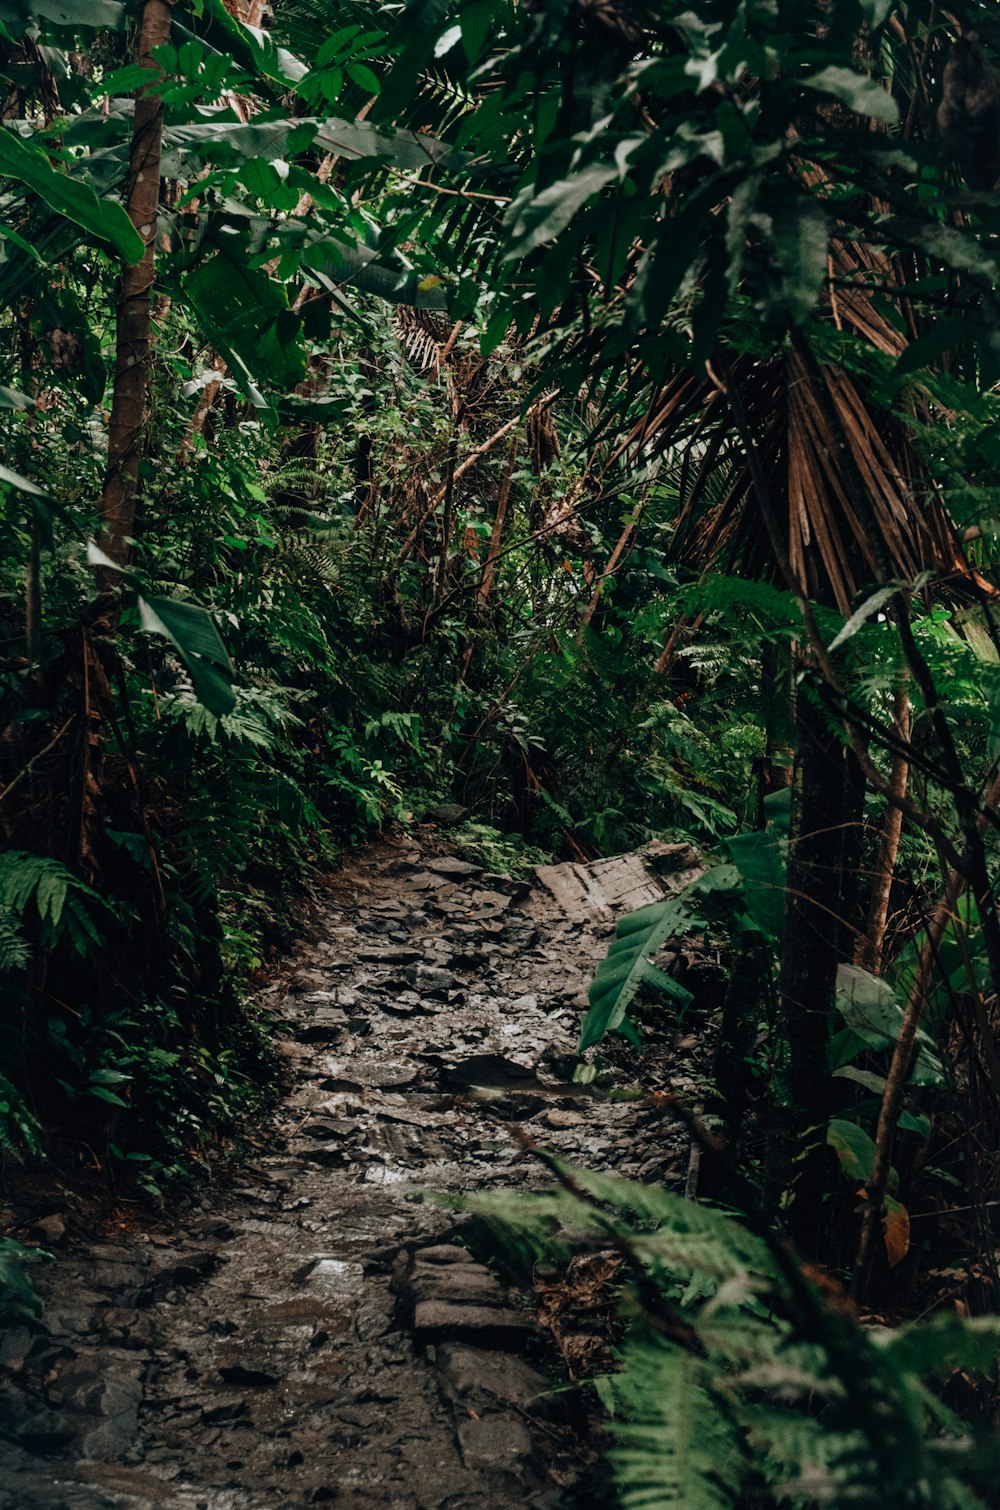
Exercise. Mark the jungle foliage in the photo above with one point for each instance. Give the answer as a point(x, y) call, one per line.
point(585, 413)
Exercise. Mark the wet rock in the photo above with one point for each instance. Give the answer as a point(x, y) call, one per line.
point(227, 1410)
point(177, 1274)
point(430, 980)
point(454, 868)
point(448, 814)
point(561, 1119)
point(495, 1444)
point(51, 1229)
point(445, 1253)
point(477, 1380)
point(255, 1376)
point(509, 885)
point(487, 1070)
point(390, 954)
point(324, 1026)
point(437, 1321)
point(377, 1074)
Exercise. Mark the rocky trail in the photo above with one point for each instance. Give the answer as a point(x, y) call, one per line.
point(318, 1332)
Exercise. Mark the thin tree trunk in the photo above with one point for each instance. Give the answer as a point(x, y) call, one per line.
point(871, 946)
point(499, 521)
point(609, 571)
point(128, 405)
point(778, 699)
point(902, 1061)
point(33, 597)
point(815, 919)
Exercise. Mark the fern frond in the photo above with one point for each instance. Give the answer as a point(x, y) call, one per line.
point(14, 951)
point(63, 903)
point(676, 1444)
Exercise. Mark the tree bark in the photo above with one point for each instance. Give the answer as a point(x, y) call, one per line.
point(871, 946)
point(128, 404)
point(816, 920)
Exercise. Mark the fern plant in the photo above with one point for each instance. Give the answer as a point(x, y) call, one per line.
point(63, 904)
point(740, 1382)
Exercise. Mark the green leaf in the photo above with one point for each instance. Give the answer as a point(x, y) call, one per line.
point(76, 200)
point(101, 1093)
point(853, 1147)
point(911, 1122)
point(20, 16)
point(22, 484)
point(867, 1078)
point(800, 236)
point(762, 861)
point(944, 335)
point(191, 630)
point(627, 963)
point(534, 219)
point(246, 315)
point(861, 615)
point(857, 91)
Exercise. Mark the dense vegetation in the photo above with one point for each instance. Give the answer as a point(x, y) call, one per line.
point(586, 413)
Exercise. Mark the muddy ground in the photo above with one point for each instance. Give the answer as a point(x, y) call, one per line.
point(318, 1331)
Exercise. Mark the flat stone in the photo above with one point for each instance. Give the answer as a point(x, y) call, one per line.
point(444, 1253)
point(448, 814)
point(390, 954)
point(558, 1118)
point(430, 980)
point(378, 1074)
point(599, 891)
point(323, 1026)
point(452, 866)
point(495, 1444)
point(437, 1321)
point(478, 1380)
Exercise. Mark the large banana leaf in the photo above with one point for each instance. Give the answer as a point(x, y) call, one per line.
point(20, 16)
point(72, 198)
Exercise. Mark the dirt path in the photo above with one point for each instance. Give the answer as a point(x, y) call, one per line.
point(318, 1334)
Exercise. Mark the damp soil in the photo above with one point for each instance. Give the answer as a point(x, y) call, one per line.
point(320, 1330)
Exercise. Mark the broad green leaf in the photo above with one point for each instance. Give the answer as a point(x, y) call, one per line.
point(627, 963)
point(72, 197)
point(534, 219)
point(20, 16)
point(762, 861)
point(857, 91)
point(853, 1147)
point(191, 630)
point(246, 314)
point(861, 615)
point(944, 335)
point(867, 1078)
point(22, 484)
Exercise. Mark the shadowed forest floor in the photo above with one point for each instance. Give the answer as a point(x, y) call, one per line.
point(315, 1330)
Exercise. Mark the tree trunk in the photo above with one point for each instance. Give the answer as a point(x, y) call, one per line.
point(128, 405)
point(778, 700)
point(816, 920)
point(870, 947)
